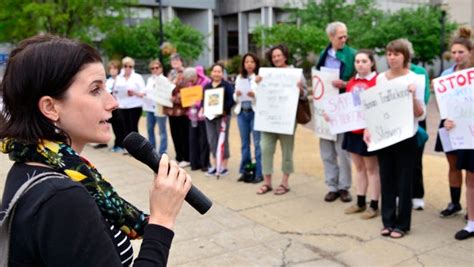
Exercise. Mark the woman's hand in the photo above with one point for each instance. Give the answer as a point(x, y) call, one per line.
point(449, 124)
point(326, 117)
point(339, 84)
point(238, 92)
point(251, 93)
point(366, 136)
point(167, 193)
point(258, 79)
point(412, 89)
point(299, 84)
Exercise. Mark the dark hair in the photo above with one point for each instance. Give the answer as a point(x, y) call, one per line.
point(243, 71)
point(370, 55)
point(218, 64)
point(284, 51)
point(400, 46)
point(43, 65)
point(463, 38)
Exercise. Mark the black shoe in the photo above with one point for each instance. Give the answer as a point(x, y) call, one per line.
point(257, 180)
point(100, 146)
point(331, 196)
point(451, 210)
point(463, 234)
point(241, 178)
point(345, 196)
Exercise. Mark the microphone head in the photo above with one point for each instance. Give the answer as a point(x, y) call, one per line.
point(139, 147)
point(134, 143)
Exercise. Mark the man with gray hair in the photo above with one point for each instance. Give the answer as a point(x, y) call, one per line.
point(336, 161)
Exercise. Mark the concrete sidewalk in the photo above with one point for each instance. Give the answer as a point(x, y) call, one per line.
point(295, 229)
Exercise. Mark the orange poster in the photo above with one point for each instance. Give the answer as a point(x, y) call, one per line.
point(190, 95)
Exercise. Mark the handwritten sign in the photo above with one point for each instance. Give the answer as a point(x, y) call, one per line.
point(213, 102)
point(462, 113)
point(445, 140)
point(190, 95)
point(243, 85)
point(322, 91)
point(161, 91)
point(345, 113)
point(388, 111)
point(277, 100)
point(457, 85)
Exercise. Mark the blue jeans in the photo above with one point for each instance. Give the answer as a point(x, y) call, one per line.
point(245, 121)
point(151, 121)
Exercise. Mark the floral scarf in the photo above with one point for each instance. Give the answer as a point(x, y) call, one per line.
point(63, 158)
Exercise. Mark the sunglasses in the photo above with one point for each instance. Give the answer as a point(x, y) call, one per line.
point(127, 66)
point(155, 68)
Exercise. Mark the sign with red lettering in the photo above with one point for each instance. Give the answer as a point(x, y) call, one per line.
point(322, 91)
point(345, 113)
point(458, 85)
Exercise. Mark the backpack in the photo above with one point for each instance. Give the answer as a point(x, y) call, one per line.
point(6, 216)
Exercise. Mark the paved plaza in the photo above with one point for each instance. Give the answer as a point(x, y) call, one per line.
point(295, 229)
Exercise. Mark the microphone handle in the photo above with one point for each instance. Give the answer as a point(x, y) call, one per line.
point(194, 197)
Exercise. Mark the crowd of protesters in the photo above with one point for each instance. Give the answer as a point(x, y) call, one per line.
point(392, 175)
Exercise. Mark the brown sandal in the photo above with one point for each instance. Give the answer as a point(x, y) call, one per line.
point(281, 189)
point(264, 189)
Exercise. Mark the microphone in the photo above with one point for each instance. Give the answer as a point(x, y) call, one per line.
point(143, 151)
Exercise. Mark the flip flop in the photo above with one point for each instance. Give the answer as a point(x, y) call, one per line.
point(397, 233)
point(386, 231)
point(281, 190)
point(264, 189)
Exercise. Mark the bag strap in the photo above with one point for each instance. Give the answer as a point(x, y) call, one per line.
point(6, 216)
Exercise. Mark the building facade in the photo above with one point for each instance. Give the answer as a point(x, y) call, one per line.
point(228, 24)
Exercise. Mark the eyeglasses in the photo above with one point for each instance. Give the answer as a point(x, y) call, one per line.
point(155, 68)
point(128, 66)
point(342, 37)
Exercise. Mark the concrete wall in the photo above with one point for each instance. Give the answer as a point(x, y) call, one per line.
point(201, 20)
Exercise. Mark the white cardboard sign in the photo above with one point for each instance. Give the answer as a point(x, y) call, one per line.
point(388, 111)
point(277, 100)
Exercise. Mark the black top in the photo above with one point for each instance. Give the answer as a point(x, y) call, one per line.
point(57, 223)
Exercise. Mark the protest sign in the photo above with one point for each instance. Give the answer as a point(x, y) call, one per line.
point(161, 92)
point(345, 113)
point(277, 100)
point(323, 90)
point(388, 112)
point(462, 114)
point(213, 102)
point(190, 95)
point(453, 86)
point(445, 140)
point(243, 85)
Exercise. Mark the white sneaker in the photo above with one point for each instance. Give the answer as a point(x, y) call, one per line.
point(183, 164)
point(418, 203)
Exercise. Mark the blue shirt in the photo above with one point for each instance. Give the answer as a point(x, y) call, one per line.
point(331, 60)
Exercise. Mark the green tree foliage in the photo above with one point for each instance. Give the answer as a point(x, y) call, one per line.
point(301, 41)
point(422, 26)
point(142, 40)
point(368, 27)
point(80, 19)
